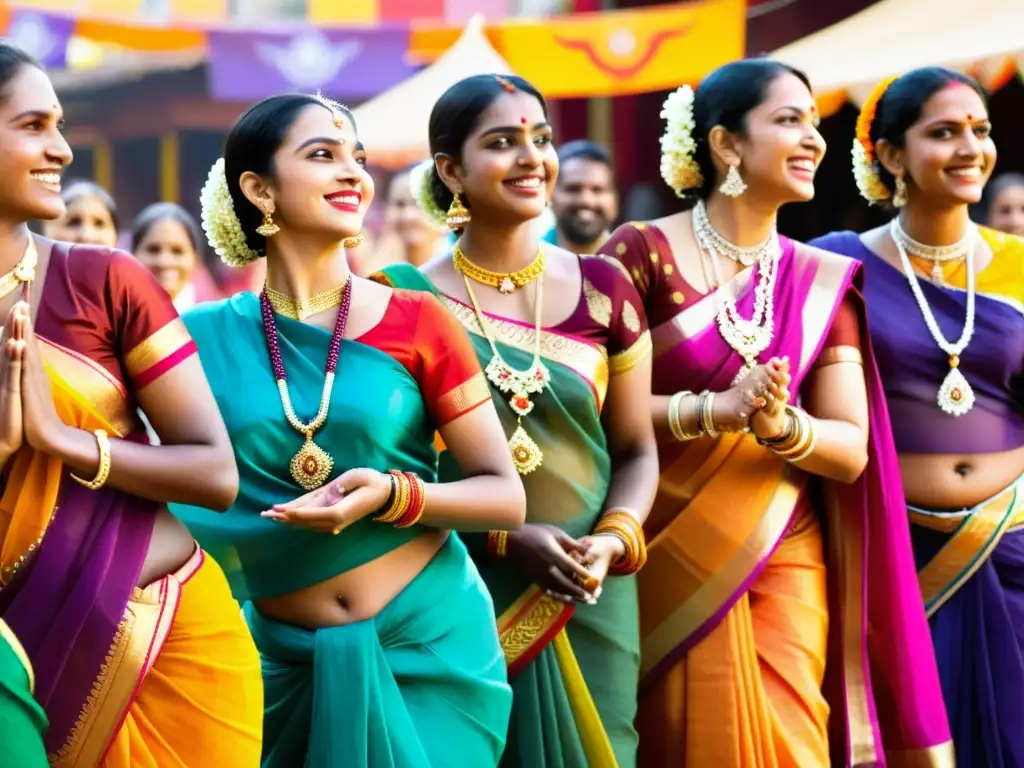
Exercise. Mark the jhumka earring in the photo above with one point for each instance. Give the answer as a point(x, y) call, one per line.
point(899, 196)
point(268, 228)
point(458, 215)
point(352, 242)
point(733, 185)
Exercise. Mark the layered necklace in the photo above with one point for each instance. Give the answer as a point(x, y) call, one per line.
point(749, 338)
point(24, 271)
point(937, 255)
point(520, 385)
point(286, 305)
point(311, 465)
point(955, 397)
point(505, 282)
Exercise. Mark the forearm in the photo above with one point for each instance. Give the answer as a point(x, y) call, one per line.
point(840, 450)
point(634, 480)
point(480, 503)
point(200, 475)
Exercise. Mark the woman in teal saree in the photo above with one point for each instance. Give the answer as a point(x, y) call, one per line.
point(366, 612)
point(569, 362)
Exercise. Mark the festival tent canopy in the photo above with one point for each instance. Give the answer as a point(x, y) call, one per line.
point(846, 60)
point(393, 125)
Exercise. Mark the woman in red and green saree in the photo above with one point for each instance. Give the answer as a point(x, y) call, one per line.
point(22, 721)
point(375, 630)
point(565, 348)
point(139, 653)
point(771, 551)
point(945, 305)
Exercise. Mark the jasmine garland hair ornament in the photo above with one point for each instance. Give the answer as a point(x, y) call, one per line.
point(221, 224)
point(678, 168)
point(419, 183)
point(865, 162)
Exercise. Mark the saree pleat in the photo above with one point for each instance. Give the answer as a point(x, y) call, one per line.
point(414, 685)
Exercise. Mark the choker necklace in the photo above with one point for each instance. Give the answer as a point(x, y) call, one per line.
point(956, 397)
point(24, 271)
point(938, 255)
point(312, 465)
point(749, 338)
point(526, 454)
point(285, 305)
point(747, 255)
point(506, 282)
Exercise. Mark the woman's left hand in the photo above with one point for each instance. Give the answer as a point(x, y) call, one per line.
point(43, 426)
point(770, 421)
point(604, 550)
point(334, 507)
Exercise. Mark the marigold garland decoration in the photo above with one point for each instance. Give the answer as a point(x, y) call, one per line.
point(865, 168)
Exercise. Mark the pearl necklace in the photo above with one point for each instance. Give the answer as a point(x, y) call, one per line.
point(938, 255)
point(955, 397)
point(746, 255)
point(749, 338)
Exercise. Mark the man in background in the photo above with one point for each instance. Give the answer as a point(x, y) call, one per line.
point(585, 201)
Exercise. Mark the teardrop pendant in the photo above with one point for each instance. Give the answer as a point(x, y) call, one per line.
point(526, 454)
point(956, 397)
point(311, 466)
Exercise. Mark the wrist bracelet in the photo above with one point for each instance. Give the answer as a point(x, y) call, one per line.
point(103, 471)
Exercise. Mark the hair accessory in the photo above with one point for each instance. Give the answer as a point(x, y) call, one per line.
point(505, 84)
point(220, 222)
point(337, 110)
point(678, 167)
point(865, 164)
point(733, 184)
point(353, 242)
point(899, 197)
point(419, 181)
point(268, 228)
point(458, 215)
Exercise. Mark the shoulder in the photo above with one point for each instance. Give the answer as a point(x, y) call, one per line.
point(212, 315)
point(625, 236)
point(603, 270)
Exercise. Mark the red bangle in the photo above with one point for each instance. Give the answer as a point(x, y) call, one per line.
point(417, 501)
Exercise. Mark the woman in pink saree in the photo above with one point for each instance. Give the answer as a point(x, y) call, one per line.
point(781, 623)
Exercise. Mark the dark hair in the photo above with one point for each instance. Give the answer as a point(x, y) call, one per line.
point(902, 103)
point(725, 98)
point(455, 115)
point(157, 212)
point(12, 60)
point(586, 150)
point(250, 146)
point(76, 189)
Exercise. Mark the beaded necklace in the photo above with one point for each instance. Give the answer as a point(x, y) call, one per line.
point(312, 465)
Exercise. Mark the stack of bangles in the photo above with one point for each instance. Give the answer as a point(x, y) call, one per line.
point(797, 440)
point(623, 524)
point(497, 543)
point(408, 498)
point(703, 415)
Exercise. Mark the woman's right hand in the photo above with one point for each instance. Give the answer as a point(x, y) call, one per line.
point(12, 430)
point(735, 406)
point(554, 561)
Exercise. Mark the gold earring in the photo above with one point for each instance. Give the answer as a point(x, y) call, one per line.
point(458, 215)
point(268, 228)
point(733, 185)
point(352, 242)
point(899, 195)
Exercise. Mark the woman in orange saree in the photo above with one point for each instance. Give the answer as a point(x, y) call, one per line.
point(771, 553)
point(141, 657)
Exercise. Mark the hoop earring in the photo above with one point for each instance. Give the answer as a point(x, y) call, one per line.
point(268, 228)
point(458, 215)
point(352, 242)
point(733, 185)
point(899, 195)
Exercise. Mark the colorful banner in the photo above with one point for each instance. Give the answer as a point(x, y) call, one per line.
point(622, 52)
point(43, 35)
point(345, 65)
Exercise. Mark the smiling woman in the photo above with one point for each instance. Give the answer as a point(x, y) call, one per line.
point(90, 217)
point(167, 240)
point(112, 594)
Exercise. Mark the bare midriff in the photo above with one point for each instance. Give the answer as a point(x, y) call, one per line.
point(958, 481)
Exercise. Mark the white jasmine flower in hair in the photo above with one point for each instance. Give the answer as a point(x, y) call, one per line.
point(678, 167)
point(868, 182)
point(419, 183)
point(221, 224)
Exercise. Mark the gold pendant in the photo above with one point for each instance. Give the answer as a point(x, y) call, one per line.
point(526, 454)
point(311, 466)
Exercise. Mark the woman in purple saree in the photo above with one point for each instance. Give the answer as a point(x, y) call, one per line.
point(780, 620)
point(946, 311)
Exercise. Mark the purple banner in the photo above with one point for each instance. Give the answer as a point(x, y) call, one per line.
point(42, 35)
point(346, 65)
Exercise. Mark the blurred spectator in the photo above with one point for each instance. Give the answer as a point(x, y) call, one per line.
point(585, 200)
point(408, 236)
point(1006, 203)
point(90, 219)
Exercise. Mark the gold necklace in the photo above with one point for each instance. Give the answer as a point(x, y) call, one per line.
point(506, 282)
point(288, 306)
point(24, 271)
point(526, 454)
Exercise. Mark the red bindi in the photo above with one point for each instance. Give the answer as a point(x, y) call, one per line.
point(970, 117)
point(522, 120)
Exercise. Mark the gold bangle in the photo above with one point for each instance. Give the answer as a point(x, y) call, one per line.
point(623, 523)
point(706, 405)
point(497, 543)
point(399, 501)
point(103, 472)
point(802, 444)
point(675, 420)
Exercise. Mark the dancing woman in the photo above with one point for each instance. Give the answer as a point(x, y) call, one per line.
point(378, 643)
point(945, 305)
point(771, 553)
point(567, 353)
point(140, 655)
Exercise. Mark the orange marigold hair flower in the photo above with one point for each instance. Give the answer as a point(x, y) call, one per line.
point(864, 171)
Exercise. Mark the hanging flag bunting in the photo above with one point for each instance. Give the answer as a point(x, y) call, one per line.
point(345, 64)
point(43, 35)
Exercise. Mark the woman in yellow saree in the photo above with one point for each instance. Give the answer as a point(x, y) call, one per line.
point(771, 553)
point(140, 655)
